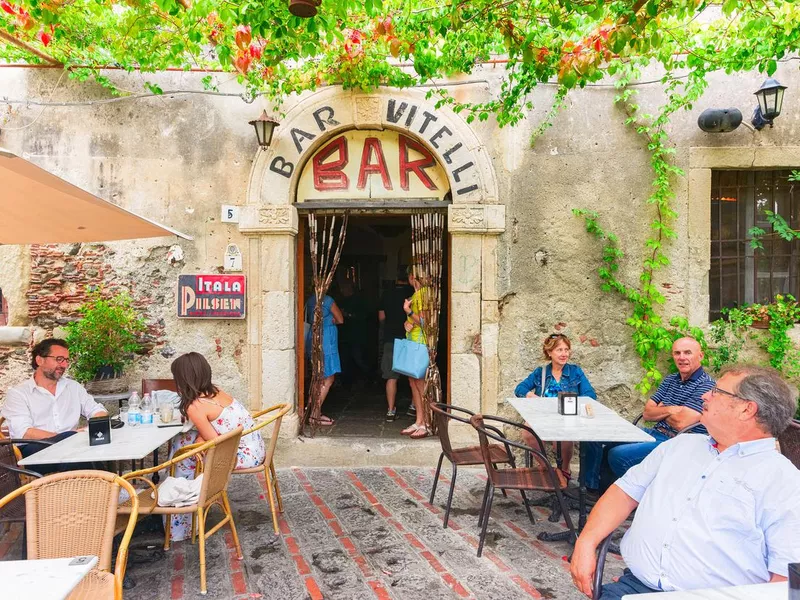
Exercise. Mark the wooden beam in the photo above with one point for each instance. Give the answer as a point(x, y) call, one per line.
point(10, 39)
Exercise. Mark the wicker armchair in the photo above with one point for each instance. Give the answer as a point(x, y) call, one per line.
point(218, 463)
point(74, 514)
point(789, 441)
point(471, 455)
point(267, 467)
point(541, 476)
point(10, 480)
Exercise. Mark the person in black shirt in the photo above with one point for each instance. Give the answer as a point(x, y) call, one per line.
point(393, 317)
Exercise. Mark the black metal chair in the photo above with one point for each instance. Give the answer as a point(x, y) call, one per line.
point(471, 455)
point(542, 476)
point(789, 441)
point(597, 583)
point(10, 480)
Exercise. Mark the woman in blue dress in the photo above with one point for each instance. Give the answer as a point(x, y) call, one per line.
point(331, 317)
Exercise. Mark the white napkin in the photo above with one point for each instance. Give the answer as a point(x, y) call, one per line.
point(179, 491)
point(167, 395)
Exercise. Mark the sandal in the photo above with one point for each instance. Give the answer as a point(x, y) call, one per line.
point(323, 421)
point(421, 432)
point(411, 429)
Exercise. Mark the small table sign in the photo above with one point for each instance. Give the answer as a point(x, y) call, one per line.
point(99, 430)
point(794, 581)
point(568, 403)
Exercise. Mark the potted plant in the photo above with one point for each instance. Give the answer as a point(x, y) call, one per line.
point(104, 339)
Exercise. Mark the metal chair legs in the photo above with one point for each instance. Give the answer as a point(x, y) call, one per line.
point(485, 517)
point(436, 478)
point(450, 494)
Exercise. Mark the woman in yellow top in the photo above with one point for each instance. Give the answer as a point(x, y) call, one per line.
point(416, 315)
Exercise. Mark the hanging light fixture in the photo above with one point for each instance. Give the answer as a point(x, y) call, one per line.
point(264, 126)
point(770, 102)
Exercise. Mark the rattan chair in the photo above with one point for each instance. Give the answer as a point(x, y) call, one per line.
point(541, 476)
point(789, 441)
point(267, 467)
point(218, 463)
point(471, 455)
point(74, 514)
point(11, 480)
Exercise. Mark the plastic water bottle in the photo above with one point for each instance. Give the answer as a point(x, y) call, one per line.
point(147, 410)
point(134, 414)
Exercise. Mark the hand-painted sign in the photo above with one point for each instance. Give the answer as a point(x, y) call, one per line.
point(414, 122)
point(211, 296)
point(372, 164)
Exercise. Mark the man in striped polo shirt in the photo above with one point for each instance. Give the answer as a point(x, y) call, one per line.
point(677, 404)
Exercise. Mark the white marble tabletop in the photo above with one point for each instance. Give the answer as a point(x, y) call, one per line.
point(762, 591)
point(127, 443)
point(49, 579)
point(605, 426)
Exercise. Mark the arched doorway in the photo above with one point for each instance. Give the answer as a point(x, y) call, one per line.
point(379, 177)
point(271, 219)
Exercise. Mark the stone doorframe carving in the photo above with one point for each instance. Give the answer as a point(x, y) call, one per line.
point(701, 162)
point(270, 220)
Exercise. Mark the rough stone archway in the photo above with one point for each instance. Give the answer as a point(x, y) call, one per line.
point(269, 219)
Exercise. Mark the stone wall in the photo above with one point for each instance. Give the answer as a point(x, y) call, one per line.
point(177, 158)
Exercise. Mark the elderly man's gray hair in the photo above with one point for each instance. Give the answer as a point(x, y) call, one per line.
point(776, 400)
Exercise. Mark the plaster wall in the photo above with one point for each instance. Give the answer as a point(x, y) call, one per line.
point(177, 158)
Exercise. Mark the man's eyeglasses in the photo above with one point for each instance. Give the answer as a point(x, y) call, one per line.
point(59, 359)
point(720, 391)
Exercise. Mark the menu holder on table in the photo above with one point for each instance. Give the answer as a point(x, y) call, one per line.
point(99, 431)
point(794, 581)
point(568, 403)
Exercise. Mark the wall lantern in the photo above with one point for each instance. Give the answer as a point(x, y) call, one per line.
point(264, 126)
point(723, 120)
point(770, 102)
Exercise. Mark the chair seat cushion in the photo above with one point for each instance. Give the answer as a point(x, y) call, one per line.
point(528, 479)
point(472, 455)
point(97, 585)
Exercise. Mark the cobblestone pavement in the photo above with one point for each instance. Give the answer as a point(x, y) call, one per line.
point(362, 534)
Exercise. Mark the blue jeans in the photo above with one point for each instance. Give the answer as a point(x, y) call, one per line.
point(623, 457)
point(627, 584)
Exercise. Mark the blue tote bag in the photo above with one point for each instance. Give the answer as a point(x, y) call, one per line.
point(410, 358)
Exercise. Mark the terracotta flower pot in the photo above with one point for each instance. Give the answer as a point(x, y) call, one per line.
point(304, 8)
point(761, 323)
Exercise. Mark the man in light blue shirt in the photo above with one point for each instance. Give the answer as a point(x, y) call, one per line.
point(713, 511)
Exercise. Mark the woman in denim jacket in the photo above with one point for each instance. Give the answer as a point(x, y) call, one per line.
point(559, 376)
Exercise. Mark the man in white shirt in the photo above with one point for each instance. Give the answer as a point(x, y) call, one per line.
point(48, 406)
point(713, 511)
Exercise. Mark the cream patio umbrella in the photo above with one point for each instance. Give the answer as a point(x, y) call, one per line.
point(36, 207)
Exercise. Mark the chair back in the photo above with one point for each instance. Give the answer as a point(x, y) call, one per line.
point(442, 414)
point(151, 385)
point(790, 442)
point(219, 462)
point(276, 414)
point(73, 514)
point(476, 421)
point(10, 481)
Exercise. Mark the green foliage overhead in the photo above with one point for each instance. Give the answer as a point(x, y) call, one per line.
point(367, 43)
point(105, 335)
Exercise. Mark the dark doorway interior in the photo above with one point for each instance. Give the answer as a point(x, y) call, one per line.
point(374, 248)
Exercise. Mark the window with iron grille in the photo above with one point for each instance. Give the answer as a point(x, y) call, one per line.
point(739, 274)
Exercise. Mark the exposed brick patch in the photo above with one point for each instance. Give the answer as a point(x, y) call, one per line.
point(313, 589)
